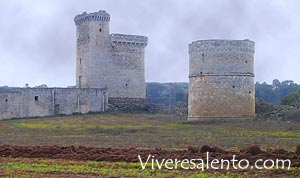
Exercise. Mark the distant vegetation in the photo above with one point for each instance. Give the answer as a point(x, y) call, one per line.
point(291, 99)
point(274, 93)
point(167, 93)
point(170, 93)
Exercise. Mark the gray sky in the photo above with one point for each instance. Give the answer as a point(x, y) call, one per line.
point(37, 38)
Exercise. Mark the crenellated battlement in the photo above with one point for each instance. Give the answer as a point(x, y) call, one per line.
point(95, 16)
point(128, 39)
point(222, 46)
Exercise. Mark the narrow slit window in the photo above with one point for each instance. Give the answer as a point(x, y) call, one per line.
point(36, 98)
point(79, 81)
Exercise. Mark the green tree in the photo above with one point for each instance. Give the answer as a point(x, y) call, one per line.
point(290, 98)
point(275, 92)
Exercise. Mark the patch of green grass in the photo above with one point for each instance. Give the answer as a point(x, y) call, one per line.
point(122, 129)
point(147, 131)
point(26, 167)
point(110, 169)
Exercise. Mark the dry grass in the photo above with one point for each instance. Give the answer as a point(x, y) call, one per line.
point(146, 131)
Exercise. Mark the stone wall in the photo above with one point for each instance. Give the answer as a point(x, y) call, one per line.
point(127, 105)
point(10, 104)
point(221, 79)
point(221, 96)
point(39, 102)
point(160, 109)
point(180, 109)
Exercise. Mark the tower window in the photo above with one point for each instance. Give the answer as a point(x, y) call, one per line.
point(36, 98)
point(233, 86)
point(246, 61)
point(6, 100)
point(80, 60)
point(126, 84)
point(249, 92)
point(100, 29)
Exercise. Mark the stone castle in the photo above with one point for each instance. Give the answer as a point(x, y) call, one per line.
point(112, 61)
point(110, 76)
point(221, 79)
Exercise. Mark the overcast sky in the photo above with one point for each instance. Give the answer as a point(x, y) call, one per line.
point(37, 38)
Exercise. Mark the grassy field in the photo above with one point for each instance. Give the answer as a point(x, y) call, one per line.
point(141, 131)
point(147, 131)
point(25, 167)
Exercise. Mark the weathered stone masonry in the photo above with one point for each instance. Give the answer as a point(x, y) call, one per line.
point(110, 76)
point(221, 79)
point(112, 61)
point(107, 65)
point(34, 102)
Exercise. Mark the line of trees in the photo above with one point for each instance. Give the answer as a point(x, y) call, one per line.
point(276, 92)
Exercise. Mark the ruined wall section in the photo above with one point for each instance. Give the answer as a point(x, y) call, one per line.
point(221, 79)
point(128, 67)
point(39, 102)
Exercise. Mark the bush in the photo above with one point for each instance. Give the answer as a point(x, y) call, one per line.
point(292, 97)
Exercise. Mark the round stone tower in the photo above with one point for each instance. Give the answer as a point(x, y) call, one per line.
point(221, 79)
point(112, 61)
